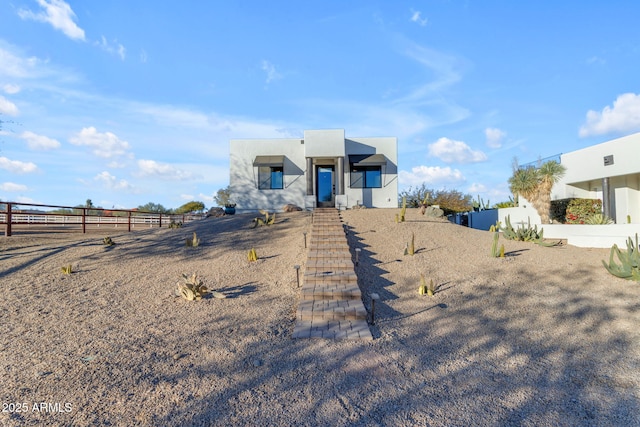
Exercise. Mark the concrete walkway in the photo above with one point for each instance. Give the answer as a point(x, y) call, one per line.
point(331, 302)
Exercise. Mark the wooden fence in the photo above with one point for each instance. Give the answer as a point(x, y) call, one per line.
point(17, 218)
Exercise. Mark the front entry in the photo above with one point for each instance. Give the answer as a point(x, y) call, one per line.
point(325, 187)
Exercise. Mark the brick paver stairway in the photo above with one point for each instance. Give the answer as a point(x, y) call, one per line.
point(330, 303)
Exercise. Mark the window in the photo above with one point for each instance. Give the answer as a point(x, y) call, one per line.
point(270, 177)
point(366, 177)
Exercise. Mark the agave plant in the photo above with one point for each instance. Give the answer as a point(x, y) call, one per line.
point(268, 219)
point(598, 219)
point(629, 267)
point(192, 289)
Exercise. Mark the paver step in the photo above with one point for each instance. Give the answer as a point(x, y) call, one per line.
point(328, 264)
point(331, 310)
point(328, 254)
point(330, 291)
point(330, 277)
point(331, 329)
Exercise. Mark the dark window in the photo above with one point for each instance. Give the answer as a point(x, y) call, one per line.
point(270, 177)
point(366, 177)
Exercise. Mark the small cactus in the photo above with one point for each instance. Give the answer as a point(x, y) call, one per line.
point(67, 269)
point(412, 248)
point(422, 289)
point(426, 289)
point(107, 241)
point(403, 212)
point(252, 255)
point(193, 241)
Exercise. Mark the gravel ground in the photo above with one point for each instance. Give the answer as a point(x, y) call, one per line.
point(544, 336)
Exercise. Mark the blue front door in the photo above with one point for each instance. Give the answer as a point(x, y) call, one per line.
point(324, 179)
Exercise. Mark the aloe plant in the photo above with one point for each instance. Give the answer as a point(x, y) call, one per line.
point(629, 267)
point(107, 241)
point(252, 255)
point(67, 269)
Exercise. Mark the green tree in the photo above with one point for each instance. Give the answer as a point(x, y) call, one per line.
point(190, 207)
point(154, 207)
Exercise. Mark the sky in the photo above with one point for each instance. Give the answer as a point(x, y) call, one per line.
point(127, 103)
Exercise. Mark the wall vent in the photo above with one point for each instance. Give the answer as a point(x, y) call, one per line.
point(608, 160)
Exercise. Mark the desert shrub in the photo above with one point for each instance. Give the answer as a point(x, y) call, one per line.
point(578, 210)
point(452, 201)
point(416, 196)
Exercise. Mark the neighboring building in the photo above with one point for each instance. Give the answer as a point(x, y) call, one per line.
point(610, 172)
point(324, 169)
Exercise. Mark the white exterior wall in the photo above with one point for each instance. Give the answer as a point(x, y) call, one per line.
point(244, 176)
point(385, 197)
point(323, 146)
point(586, 169)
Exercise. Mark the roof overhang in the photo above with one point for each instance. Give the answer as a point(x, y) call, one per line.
point(367, 159)
point(268, 161)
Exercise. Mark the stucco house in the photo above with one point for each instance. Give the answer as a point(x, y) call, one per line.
point(609, 171)
point(323, 169)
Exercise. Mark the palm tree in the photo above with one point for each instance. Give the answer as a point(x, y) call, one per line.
point(524, 182)
point(549, 173)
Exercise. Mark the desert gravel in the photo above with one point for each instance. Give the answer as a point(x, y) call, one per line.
point(543, 337)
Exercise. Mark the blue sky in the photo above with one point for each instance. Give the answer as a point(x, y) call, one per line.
point(126, 102)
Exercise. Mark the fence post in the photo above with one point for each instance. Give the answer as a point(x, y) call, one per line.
point(160, 220)
point(7, 230)
point(129, 221)
point(84, 220)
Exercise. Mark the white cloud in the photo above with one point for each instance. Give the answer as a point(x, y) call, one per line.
point(623, 117)
point(477, 188)
point(39, 142)
point(451, 151)
point(271, 72)
point(112, 182)
point(10, 186)
point(16, 166)
point(416, 16)
point(58, 14)
point(105, 145)
point(11, 88)
point(430, 175)
point(494, 137)
point(162, 170)
point(7, 107)
point(115, 49)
